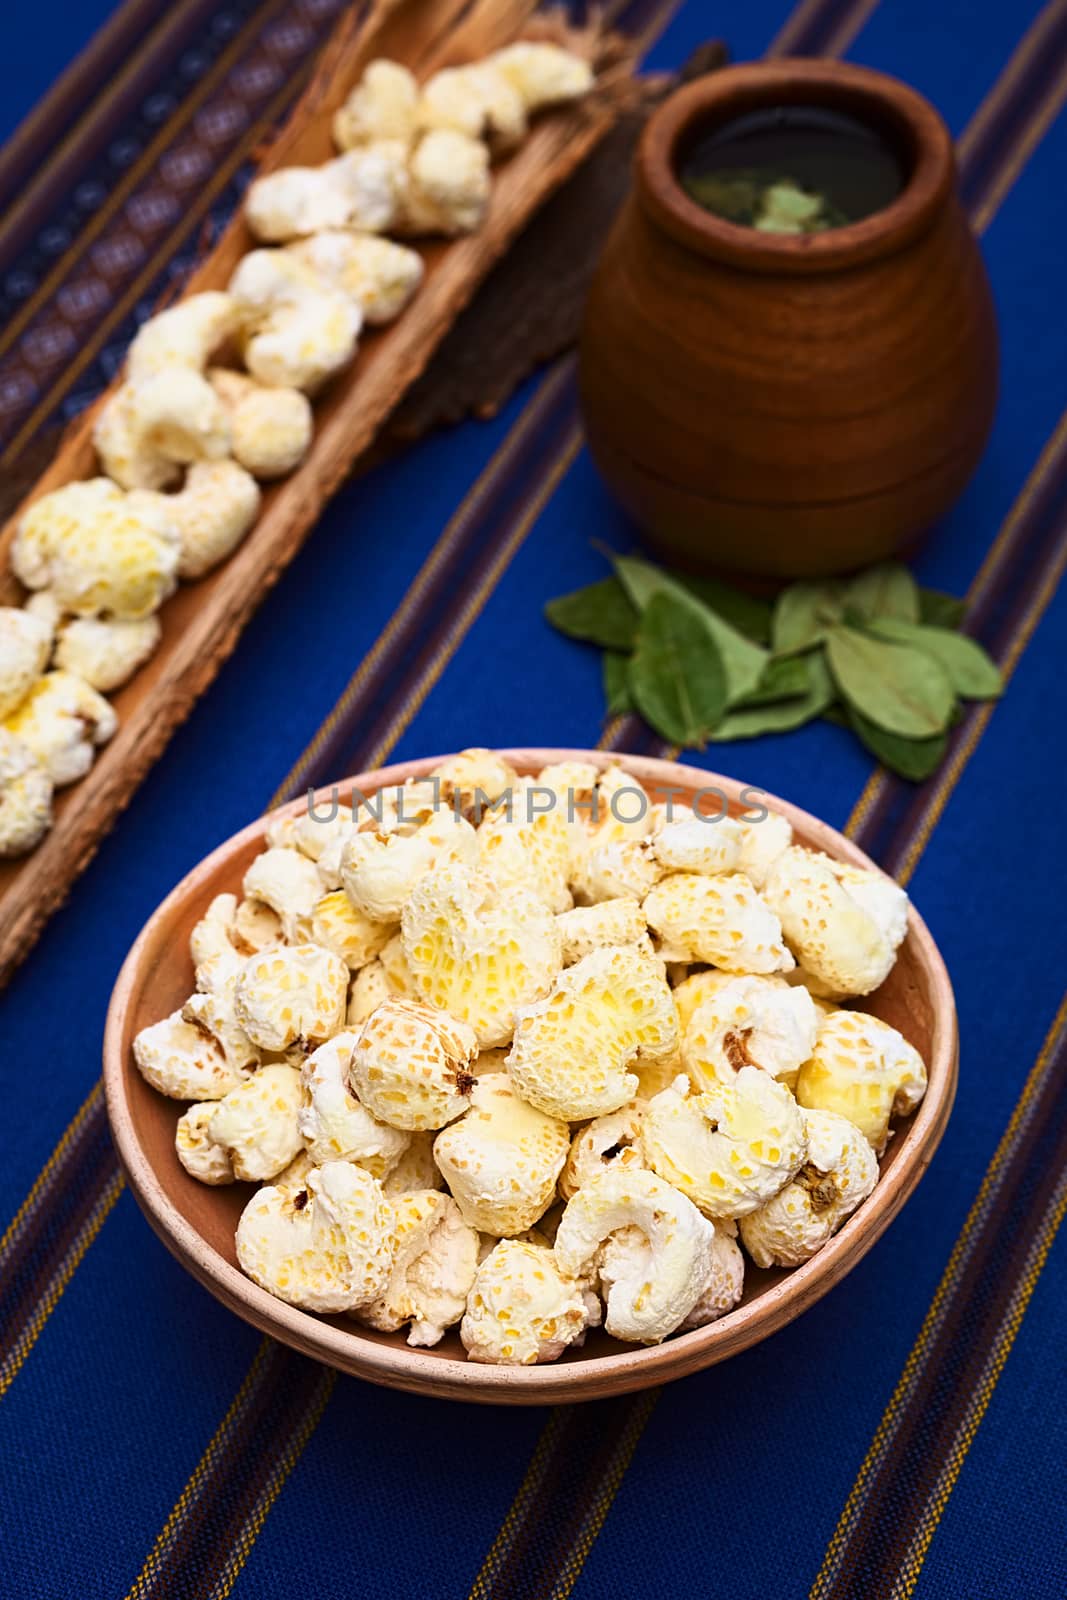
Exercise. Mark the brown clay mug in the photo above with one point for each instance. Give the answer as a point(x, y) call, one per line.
point(789, 405)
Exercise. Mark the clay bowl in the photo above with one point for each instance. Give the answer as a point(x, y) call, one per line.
point(789, 406)
point(197, 1223)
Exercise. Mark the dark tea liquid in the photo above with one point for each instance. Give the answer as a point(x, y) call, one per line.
point(762, 165)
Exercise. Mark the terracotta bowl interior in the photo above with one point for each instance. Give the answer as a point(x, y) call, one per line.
point(197, 1223)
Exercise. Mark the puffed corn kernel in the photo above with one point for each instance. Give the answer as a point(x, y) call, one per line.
point(25, 797)
point(380, 275)
point(338, 926)
point(62, 721)
point(257, 1123)
point(333, 1123)
point(833, 935)
point(839, 1172)
point(474, 780)
point(762, 842)
point(694, 990)
point(696, 844)
point(729, 1149)
point(476, 100)
point(759, 1022)
point(448, 185)
point(864, 1070)
point(369, 988)
point(212, 944)
point(502, 1159)
point(198, 1153)
point(99, 549)
point(653, 1288)
point(383, 105)
point(574, 1050)
point(326, 1246)
point(25, 646)
point(411, 1065)
point(522, 1308)
point(726, 1284)
point(615, 868)
point(612, 1140)
point(416, 1168)
point(543, 74)
point(106, 653)
point(380, 870)
point(256, 926)
point(478, 952)
point(361, 189)
point(287, 994)
point(286, 881)
point(517, 845)
point(589, 928)
point(184, 335)
point(214, 1011)
point(183, 1061)
point(153, 426)
point(300, 330)
point(720, 920)
point(213, 510)
point(271, 425)
point(433, 1269)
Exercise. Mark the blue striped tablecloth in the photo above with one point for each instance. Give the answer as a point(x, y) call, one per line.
point(908, 1435)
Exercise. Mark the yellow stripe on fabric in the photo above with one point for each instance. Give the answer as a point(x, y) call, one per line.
point(934, 1510)
point(144, 161)
point(1038, 125)
point(525, 1497)
point(497, 466)
point(150, 1571)
point(13, 1361)
point(190, 216)
point(950, 1278)
point(286, 1461)
point(621, 1456)
point(92, 1100)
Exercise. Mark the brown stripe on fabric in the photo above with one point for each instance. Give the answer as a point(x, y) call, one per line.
point(63, 134)
point(926, 1426)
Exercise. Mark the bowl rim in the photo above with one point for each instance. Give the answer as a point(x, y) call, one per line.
point(873, 96)
point(635, 1367)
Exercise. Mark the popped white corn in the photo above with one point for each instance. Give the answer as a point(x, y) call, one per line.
point(477, 951)
point(383, 105)
point(725, 1285)
point(256, 926)
point(286, 881)
point(762, 842)
point(369, 988)
point(214, 1011)
point(378, 274)
point(327, 1245)
point(695, 844)
point(106, 652)
point(720, 920)
point(589, 928)
point(543, 74)
point(62, 721)
point(25, 646)
point(847, 941)
point(184, 335)
point(338, 926)
point(201, 1157)
point(502, 1159)
point(333, 1123)
point(615, 868)
point(290, 994)
point(574, 1051)
point(25, 797)
point(213, 510)
point(299, 329)
point(865, 1070)
point(271, 425)
point(381, 869)
point(608, 1141)
point(522, 1308)
point(212, 944)
point(184, 1061)
point(693, 990)
point(99, 549)
point(474, 780)
point(651, 1290)
point(448, 185)
point(257, 1124)
point(362, 189)
point(759, 1022)
point(411, 1065)
point(519, 845)
point(475, 100)
point(433, 1269)
point(416, 1168)
point(153, 426)
point(840, 1170)
point(729, 1149)
point(395, 967)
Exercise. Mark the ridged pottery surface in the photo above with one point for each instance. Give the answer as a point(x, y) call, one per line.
point(197, 1223)
point(779, 405)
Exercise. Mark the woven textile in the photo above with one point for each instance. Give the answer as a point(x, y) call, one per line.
point(907, 1435)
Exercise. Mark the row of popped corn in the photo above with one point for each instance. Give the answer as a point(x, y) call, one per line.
point(528, 1069)
point(217, 392)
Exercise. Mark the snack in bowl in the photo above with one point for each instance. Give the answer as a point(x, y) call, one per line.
point(501, 1124)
